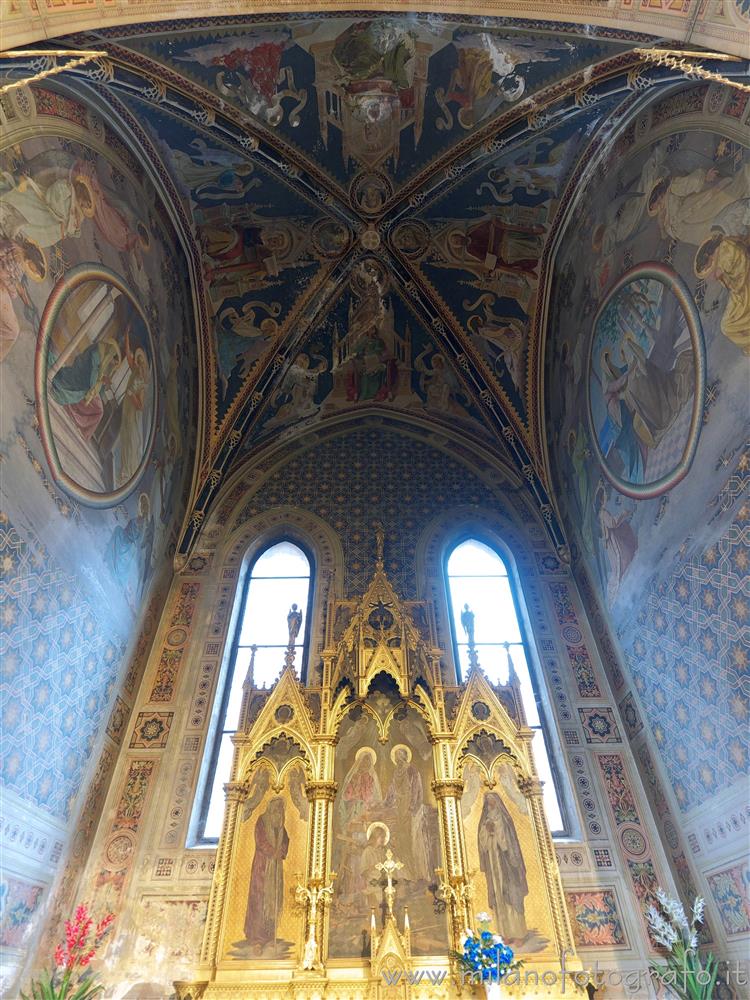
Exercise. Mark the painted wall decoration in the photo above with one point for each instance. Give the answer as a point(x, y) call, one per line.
point(384, 801)
point(595, 918)
point(499, 844)
point(380, 96)
point(97, 364)
point(645, 447)
point(19, 901)
point(273, 832)
point(179, 920)
point(731, 891)
point(646, 381)
point(96, 385)
point(296, 141)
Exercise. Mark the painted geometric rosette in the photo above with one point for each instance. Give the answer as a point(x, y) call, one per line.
point(646, 369)
point(95, 383)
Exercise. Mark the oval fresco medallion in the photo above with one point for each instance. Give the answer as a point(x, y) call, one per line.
point(646, 381)
point(96, 385)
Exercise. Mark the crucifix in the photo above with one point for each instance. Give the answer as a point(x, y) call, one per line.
point(389, 867)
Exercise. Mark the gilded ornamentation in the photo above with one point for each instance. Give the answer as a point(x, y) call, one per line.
point(375, 825)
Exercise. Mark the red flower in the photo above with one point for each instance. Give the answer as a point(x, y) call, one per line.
point(77, 949)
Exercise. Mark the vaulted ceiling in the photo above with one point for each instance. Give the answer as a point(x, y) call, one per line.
point(370, 205)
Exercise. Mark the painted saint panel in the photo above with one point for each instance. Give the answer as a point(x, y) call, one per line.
point(384, 801)
point(96, 385)
point(508, 881)
point(263, 921)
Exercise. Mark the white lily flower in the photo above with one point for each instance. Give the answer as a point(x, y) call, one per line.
point(484, 918)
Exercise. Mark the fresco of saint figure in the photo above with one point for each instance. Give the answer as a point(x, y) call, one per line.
point(492, 245)
point(502, 864)
point(726, 259)
point(688, 207)
point(646, 365)
point(357, 806)
point(490, 71)
point(48, 203)
point(265, 897)
point(618, 540)
point(99, 419)
point(18, 260)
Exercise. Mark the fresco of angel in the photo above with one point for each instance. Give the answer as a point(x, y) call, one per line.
point(506, 334)
point(686, 205)
point(247, 69)
point(439, 384)
point(534, 177)
point(488, 74)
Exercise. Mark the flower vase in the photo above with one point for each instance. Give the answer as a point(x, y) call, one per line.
point(493, 991)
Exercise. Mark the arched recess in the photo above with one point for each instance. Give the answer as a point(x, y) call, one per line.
point(279, 753)
point(492, 465)
point(486, 747)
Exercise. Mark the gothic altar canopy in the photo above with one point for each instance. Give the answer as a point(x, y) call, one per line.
point(371, 815)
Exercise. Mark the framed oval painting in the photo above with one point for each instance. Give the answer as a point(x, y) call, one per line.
point(96, 392)
point(646, 381)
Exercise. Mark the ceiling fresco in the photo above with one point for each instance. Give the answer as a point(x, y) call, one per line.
point(370, 204)
point(383, 96)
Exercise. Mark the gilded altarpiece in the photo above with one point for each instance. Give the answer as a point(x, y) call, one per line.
point(370, 817)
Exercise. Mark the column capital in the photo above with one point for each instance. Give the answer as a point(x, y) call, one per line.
point(452, 788)
point(530, 786)
point(325, 790)
point(235, 791)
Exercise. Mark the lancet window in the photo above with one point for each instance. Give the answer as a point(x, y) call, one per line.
point(276, 592)
point(487, 630)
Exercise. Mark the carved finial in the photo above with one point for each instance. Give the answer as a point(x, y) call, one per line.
point(467, 621)
point(379, 544)
point(294, 621)
point(250, 675)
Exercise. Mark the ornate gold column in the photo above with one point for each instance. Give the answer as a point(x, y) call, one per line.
point(455, 887)
point(532, 790)
point(320, 794)
point(235, 793)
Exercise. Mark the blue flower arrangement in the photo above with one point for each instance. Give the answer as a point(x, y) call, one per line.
point(485, 956)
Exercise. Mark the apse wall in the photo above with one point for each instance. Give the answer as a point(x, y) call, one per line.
point(327, 490)
point(95, 337)
point(647, 378)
